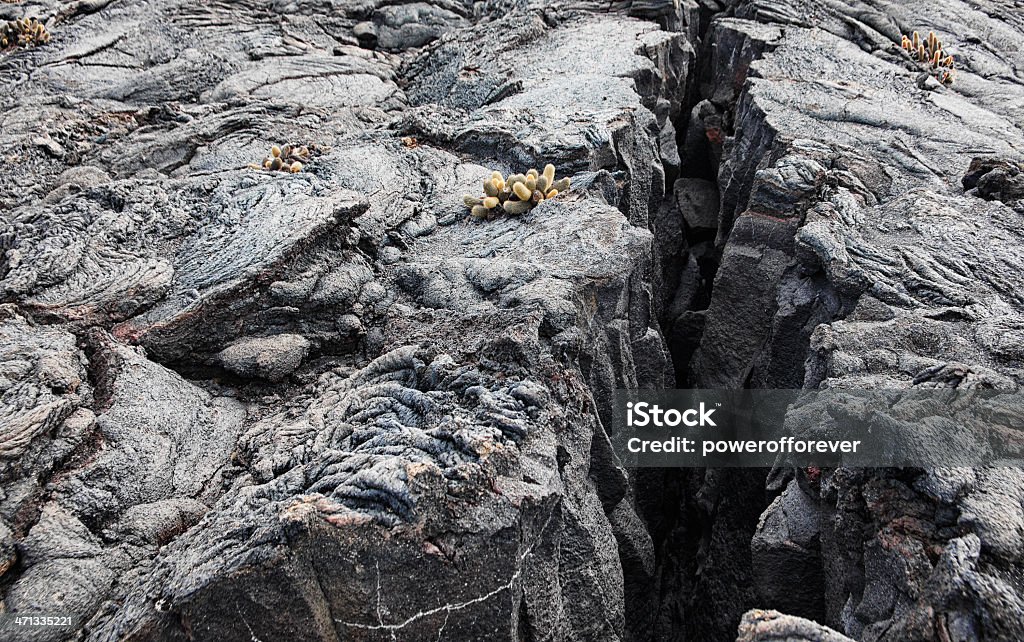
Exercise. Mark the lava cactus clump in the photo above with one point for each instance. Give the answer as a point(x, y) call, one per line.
point(285, 159)
point(517, 194)
point(23, 32)
point(929, 52)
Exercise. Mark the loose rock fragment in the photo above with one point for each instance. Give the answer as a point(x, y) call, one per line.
point(995, 178)
point(271, 358)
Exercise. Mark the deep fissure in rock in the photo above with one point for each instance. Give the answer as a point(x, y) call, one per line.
point(702, 522)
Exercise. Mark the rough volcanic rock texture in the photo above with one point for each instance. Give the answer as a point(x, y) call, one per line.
point(853, 257)
point(250, 405)
point(242, 404)
point(772, 626)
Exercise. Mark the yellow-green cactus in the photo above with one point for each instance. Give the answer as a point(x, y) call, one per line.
point(542, 183)
point(561, 185)
point(549, 173)
point(23, 32)
point(515, 208)
point(289, 158)
point(929, 52)
point(516, 194)
point(490, 188)
point(523, 191)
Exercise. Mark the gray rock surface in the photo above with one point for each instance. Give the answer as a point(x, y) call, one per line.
point(238, 404)
point(852, 257)
point(772, 626)
point(697, 200)
point(272, 358)
point(413, 399)
point(785, 555)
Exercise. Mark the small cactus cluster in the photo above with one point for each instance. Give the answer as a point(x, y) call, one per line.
point(23, 32)
point(285, 159)
point(929, 51)
point(517, 194)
